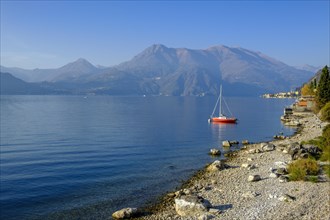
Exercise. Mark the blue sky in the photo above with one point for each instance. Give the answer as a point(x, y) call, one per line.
point(50, 34)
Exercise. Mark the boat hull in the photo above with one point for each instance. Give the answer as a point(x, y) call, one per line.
point(223, 120)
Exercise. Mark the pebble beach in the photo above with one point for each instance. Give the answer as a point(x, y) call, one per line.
point(229, 193)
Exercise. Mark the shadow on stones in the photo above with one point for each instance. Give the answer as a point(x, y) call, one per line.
point(232, 167)
point(223, 207)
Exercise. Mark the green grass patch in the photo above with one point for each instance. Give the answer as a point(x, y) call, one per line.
point(325, 156)
point(313, 179)
point(325, 112)
point(323, 142)
point(300, 169)
point(326, 169)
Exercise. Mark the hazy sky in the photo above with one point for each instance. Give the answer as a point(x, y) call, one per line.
point(50, 34)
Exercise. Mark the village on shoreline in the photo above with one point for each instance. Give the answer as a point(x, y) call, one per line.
point(282, 95)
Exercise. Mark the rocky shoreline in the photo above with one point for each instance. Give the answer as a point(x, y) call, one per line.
point(250, 185)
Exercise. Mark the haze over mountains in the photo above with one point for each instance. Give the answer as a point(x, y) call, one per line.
point(159, 70)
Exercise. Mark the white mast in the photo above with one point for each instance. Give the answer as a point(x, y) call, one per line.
point(220, 100)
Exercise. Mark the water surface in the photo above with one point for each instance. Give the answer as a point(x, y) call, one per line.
point(80, 157)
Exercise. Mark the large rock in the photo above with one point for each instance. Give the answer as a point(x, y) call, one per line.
point(287, 198)
point(293, 148)
point(267, 147)
point(301, 153)
point(283, 179)
point(215, 166)
point(254, 178)
point(298, 151)
point(245, 142)
point(234, 142)
point(215, 152)
point(125, 213)
point(191, 205)
point(226, 144)
point(281, 171)
point(312, 150)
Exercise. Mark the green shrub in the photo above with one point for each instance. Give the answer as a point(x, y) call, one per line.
point(325, 144)
point(326, 135)
point(299, 169)
point(326, 169)
point(313, 179)
point(325, 156)
point(325, 112)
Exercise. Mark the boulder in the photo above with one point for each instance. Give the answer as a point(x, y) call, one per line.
point(125, 213)
point(303, 151)
point(300, 154)
point(287, 198)
point(312, 150)
point(267, 147)
point(254, 178)
point(279, 137)
point(226, 144)
point(233, 142)
point(283, 179)
point(245, 142)
point(191, 205)
point(293, 148)
point(215, 152)
point(215, 166)
point(281, 171)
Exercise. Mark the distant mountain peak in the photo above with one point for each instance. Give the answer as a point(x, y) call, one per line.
point(156, 48)
point(79, 65)
point(82, 61)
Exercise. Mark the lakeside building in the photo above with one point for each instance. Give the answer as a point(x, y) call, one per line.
point(305, 103)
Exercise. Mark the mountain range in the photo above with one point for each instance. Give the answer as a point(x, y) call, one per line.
point(160, 70)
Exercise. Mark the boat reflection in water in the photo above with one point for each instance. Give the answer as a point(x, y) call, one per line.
point(223, 132)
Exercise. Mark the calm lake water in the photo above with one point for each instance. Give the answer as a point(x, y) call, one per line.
point(74, 157)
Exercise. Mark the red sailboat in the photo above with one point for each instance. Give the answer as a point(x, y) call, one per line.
point(221, 118)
